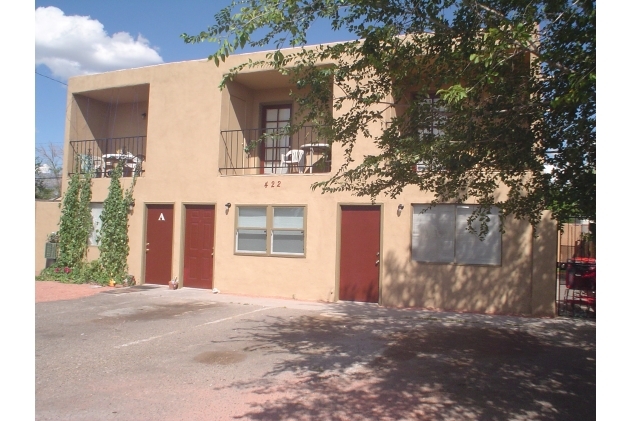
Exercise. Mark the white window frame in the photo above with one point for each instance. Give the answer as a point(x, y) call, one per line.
point(273, 227)
point(440, 235)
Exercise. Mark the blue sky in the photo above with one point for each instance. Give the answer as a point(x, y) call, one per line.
point(78, 36)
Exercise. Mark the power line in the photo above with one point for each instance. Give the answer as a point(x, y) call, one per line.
point(58, 81)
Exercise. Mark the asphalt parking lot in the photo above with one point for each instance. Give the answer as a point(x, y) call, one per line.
point(150, 353)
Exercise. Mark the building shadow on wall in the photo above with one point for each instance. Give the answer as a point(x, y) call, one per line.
point(523, 284)
point(457, 288)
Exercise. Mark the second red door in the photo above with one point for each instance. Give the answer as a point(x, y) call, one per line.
point(199, 239)
point(360, 253)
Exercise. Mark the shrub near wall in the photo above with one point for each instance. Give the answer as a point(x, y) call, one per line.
point(75, 227)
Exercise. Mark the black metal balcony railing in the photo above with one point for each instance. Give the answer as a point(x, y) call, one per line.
point(274, 151)
point(99, 156)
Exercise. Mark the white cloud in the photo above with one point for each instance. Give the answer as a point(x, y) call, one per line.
point(75, 45)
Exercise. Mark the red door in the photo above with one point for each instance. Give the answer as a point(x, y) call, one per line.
point(199, 239)
point(159, 245)
point(359, 253)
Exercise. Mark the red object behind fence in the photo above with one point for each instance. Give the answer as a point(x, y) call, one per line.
point(580, 283)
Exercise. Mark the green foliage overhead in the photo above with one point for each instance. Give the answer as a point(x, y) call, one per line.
point(516, 81)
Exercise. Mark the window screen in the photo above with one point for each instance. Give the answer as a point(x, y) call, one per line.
point(288, 231)
point(469, 248)
point(270, 230)
point(249, 239)
point(433, 234)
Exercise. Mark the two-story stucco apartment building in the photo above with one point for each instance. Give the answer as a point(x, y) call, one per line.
point(223, 200)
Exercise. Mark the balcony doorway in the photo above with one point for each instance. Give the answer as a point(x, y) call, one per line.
point(275, 143)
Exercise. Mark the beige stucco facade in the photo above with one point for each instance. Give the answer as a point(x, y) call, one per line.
point(181, 118)
point(47, 213)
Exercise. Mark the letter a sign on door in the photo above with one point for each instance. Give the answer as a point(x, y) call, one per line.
point(159, 239)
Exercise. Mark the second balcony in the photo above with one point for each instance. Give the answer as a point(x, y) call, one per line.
point(274, 151)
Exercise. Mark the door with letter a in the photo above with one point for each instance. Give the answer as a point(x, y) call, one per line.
point(199, 239)
point(360, 243)
point(159, 244)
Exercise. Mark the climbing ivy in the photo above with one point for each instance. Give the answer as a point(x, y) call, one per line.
point(75, 224)
point(113, 236)
point(84, 217)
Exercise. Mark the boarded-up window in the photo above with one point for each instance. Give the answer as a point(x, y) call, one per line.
point(440, 235)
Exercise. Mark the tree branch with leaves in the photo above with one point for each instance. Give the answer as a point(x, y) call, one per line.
point(516, 79)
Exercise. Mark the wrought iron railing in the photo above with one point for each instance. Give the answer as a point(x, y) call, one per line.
point(274, 151)
point(99, 156)
point(576, 269)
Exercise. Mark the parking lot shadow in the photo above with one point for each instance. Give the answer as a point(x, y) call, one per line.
point(352, 366)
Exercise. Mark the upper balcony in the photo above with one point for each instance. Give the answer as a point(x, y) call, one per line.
point(108, 126)
point(99, 156)
point(274, 151)
point(256, 135)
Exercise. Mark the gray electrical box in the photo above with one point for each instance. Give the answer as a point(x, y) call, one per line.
point(51, 251)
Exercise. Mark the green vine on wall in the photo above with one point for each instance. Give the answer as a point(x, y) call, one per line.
point(85, 224)
point(75, 224)
point(75, 228)
point(113, 236)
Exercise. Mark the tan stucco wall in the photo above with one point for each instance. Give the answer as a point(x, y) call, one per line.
point(186, 112)
point(47, 215)
point(491, 289)
point(94, 119)
point(544, 266)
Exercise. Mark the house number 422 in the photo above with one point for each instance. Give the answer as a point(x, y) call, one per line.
point(272, 184)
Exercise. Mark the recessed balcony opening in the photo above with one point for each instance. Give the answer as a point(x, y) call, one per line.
point(257, 135)
point(109, 127)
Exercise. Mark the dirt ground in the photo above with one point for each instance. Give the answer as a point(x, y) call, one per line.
point(55, 291)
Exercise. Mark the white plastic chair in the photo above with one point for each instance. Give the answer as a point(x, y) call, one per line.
point(281, 168)
point(295, 160)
